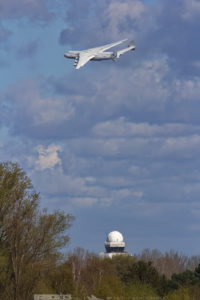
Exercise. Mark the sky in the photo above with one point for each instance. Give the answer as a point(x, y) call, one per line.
point(116, 144)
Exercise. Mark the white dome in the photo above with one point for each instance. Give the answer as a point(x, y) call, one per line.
point(115, 237)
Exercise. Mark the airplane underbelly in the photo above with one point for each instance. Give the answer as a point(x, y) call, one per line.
point(70, 56)
point(102, 57)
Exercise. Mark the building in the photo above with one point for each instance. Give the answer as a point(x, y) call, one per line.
point(114, 245)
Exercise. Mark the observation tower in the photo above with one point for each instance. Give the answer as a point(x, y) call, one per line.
point(114, 245)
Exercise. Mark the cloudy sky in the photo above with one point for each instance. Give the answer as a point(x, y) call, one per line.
point(115, 144)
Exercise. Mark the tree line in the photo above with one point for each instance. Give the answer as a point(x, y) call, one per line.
point(122, 277)
point(33, 257)
point(31, 239)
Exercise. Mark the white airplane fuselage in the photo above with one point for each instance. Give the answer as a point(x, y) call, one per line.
point(99, 56)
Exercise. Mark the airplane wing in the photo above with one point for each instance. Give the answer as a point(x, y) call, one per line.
point(83, 58)
point(108, 46)
point(86, 55)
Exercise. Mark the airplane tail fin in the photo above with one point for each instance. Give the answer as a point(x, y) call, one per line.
point(132, 44)
point(130, 47)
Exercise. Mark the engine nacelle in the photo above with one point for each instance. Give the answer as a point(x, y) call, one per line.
point(76, 60)
point(114, 56)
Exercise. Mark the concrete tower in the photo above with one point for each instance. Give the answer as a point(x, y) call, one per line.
point(114, 245)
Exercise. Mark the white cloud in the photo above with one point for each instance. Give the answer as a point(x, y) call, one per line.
point(77, 191)
point(123, 128)
point(48, 157)
point(138, 147)
point(84, 201)
point(50, 110)
point(56, 182)
point(124, 194)
point(187, 90)
point(181, 147)
point(34, 109)
point(118, 13)
point(191, 9)
point(33, 9)
point(142, 87)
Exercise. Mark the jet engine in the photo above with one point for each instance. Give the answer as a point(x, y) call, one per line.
point(76, 61)
point(114, 56)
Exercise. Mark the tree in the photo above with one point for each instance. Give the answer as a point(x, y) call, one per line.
point(197, 273)
point(123, 265)
point(140, 291)
point(100, 277)
point(194, 292)
point(181, 294)
point(167, 263)
point(186, 278)
point(193, 261)
point(30, 239)
point(183, 279)
point(60, 280)
point(91, 275)
point(77, 261)
point(133, 272)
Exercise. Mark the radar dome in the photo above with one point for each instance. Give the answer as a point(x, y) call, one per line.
point(114, 244)
point(115, 237)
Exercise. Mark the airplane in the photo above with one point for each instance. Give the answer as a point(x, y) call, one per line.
point(98, 53)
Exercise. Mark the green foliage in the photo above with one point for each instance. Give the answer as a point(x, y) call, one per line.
point(123, 265)
point(186, 278)
point(183, 279)
point(92, 275)
point(133, 272)
point(43, 287)
point(30, 239)
point(197, 273)
point(194, 292)
point(61, 279)
point(109, 286)
point(181, 294)
point(139, 290)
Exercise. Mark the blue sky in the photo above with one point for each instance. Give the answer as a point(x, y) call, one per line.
point(115, 144)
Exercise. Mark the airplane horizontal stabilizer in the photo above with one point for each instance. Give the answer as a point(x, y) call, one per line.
point(122, 51)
